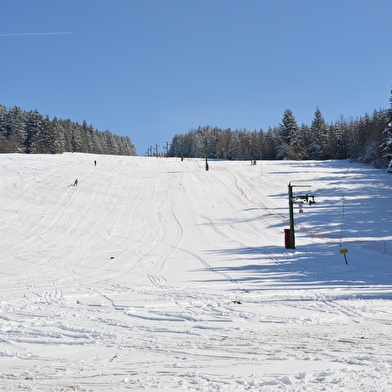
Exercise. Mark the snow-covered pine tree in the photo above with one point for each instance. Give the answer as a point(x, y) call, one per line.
point(234, 148)
point(288, 135)
point(33, 132)
point(387, 145)
point(318, 131)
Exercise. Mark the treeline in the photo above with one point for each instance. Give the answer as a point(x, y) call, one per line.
point(31, 133)
point(364, 140)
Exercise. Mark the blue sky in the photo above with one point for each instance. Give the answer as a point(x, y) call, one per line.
point(150, 69)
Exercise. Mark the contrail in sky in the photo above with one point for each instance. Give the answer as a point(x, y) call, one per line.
point(30, 34)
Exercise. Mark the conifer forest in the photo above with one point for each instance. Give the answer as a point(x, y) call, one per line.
point(367, 139)
point(32, 133)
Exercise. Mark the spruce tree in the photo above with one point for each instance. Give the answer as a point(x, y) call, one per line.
point(387, 145)
point(318, 131)
point(288, 134)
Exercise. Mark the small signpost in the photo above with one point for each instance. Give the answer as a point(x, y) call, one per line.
point(344, 251)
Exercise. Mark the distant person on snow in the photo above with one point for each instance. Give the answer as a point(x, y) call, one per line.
point(75, 183)
point(95, 163)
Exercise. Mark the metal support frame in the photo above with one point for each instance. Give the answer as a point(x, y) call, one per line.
point(292, 199)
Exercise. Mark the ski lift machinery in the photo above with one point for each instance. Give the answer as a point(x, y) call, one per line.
point(300, 199)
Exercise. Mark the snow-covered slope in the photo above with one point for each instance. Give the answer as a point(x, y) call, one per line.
point(155, 274)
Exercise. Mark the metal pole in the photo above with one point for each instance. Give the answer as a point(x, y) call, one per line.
point(206, 154)
point(291, 213)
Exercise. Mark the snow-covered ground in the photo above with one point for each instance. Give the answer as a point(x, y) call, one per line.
point(154, 274)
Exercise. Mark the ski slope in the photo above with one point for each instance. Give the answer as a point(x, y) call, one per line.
point(154, 274)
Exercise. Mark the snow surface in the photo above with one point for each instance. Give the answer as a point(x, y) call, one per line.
point(155, 274)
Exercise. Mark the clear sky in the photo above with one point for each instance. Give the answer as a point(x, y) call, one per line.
point(152, 68)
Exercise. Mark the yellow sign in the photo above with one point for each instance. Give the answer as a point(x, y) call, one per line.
point(344, 250)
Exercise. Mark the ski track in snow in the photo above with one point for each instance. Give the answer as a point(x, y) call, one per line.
point(153, 274)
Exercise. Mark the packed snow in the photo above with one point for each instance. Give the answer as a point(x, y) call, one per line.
point(156, 274)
